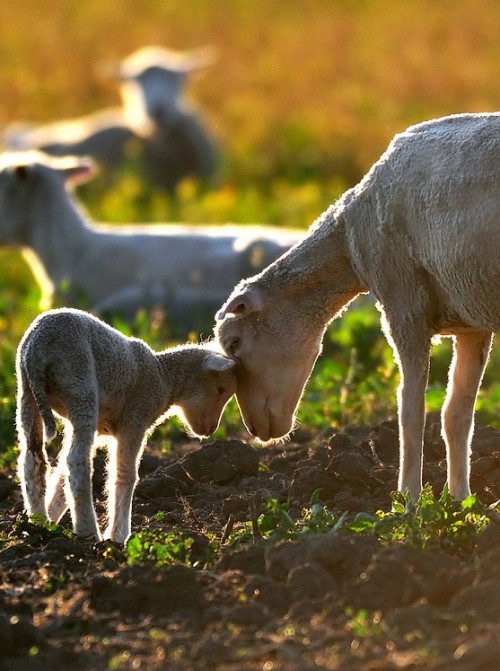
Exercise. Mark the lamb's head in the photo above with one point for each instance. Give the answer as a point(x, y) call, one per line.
point(201, 407)
point(25, 176)
point(275, 348)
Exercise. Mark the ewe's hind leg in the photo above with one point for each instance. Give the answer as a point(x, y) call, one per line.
point(123, 473)
point(79, 481)
point(470, 356)
point(56, 497)
point(32, 462)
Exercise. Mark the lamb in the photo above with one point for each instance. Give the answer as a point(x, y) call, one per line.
point(420, 231)
point(187, 271)
point(155, 127)
point(100, 381)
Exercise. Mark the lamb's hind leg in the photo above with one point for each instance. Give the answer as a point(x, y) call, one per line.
point(123, 473)
point(32, 462)
point(471, 351)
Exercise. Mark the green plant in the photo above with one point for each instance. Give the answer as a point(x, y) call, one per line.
point(453, 526)
point(430, 522)
point(37, 530)
point(162, 548)
point(363, 623)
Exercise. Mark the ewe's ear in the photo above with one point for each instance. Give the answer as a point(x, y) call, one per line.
point(76, 169)
point(217, 363)
point(247, 301)
point(21, 171)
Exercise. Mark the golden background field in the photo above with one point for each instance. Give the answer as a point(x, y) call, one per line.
point(299, 88)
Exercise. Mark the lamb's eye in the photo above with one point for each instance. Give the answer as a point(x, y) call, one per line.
point(221, 390)
point(233, 346)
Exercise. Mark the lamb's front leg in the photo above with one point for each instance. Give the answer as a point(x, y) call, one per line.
point(471, 351)
point(123, 474)
point(55, 496)
point(79, 481)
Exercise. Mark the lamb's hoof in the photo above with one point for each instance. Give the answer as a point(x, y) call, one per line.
point(91, 536)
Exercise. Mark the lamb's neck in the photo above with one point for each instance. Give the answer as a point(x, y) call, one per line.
point(58, 235)
point(174, 366)
point(317, 273)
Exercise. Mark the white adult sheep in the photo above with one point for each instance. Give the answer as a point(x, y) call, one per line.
point(421, 232)
point(103, 382)
point(186, 270)
point(155, 127)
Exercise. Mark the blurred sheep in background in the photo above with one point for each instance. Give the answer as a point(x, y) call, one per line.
point(154, 126)
point(187, 271)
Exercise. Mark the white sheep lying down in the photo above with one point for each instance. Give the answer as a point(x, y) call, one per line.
point(421, 231)
point(116, 270)
point(101, 382)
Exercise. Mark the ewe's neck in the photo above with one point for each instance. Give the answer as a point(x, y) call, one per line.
point(317, 273)
point(58, 233)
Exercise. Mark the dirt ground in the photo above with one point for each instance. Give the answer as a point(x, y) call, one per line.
point(326, 601)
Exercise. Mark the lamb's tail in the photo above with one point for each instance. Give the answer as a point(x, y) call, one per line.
point(36, 385)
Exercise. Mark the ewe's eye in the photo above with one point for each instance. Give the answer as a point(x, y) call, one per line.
point(221, 390)
point(233, 346)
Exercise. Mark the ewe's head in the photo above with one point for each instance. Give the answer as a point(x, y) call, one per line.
point(26, 176)
point(275, 347)
point(201, 406)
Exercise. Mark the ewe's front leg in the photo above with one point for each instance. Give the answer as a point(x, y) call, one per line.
point(412, 349)
point(123, 474)
point(470, 355)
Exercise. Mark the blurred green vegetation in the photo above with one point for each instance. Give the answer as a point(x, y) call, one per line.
point(303, 97)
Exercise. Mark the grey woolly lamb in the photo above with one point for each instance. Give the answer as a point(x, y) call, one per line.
point(102, 382)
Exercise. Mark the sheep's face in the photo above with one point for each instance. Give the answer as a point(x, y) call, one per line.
point(201, 409)
point(22, 175)
point(274, 351)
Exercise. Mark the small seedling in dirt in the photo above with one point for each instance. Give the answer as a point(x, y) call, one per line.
point(274, 523)
point(164, 549)
point(363, 623)
point(54, 583)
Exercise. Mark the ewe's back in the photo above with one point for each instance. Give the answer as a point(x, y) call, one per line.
point(432, 201)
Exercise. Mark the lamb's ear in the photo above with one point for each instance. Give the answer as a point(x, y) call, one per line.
point(217, 363)
point(77, 169)
point(243, 303)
